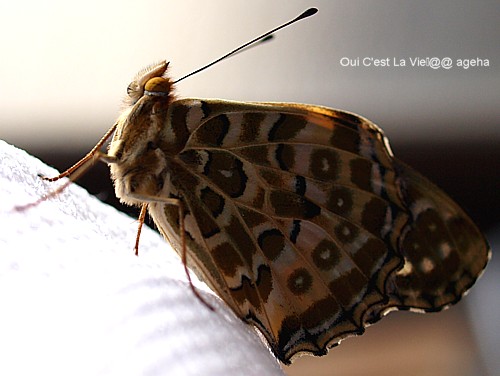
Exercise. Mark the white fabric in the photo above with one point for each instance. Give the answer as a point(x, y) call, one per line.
point(75, 300)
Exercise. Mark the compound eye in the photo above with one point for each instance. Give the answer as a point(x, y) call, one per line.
point(130, 89)
point(134, 92)
point(133, 89)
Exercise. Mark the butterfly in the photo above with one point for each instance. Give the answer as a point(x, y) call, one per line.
point(298, 216)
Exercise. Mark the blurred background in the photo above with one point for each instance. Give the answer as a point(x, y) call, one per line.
point(65, 67)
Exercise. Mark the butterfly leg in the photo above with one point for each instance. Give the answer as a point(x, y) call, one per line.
point(142, 217)
point(72, 173)
point(75, 171)
point(184, 258)
point(178, 203)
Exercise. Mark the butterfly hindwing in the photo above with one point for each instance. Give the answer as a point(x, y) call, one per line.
point(444, 250)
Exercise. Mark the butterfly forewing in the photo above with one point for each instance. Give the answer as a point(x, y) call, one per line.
point(303, 222)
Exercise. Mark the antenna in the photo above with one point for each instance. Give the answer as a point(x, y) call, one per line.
point(262, 38)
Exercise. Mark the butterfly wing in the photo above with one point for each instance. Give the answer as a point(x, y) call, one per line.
point(300, 218)
point(444, 251)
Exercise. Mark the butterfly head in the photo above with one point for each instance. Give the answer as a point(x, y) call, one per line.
point(151, 81)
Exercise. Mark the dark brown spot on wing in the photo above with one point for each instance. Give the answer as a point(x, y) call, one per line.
point(291, 205)
point(370, 256)
point(226, 171)
point(213, 201)
point(325, 164)
point(227, 259)
point(361, 173)
point(252, 218)
point(300, 281)
point(250, 126)
point(374, 215)
point(286, 127)
point(346, 232)
point(326, 255)
point(179, 127)
point(271, 177)
point(348, 287)
point(285, 156)
point(191, 157)
point(272, 243)
point(213, 131)
point(264, 282)
point(256, 154)
point(345, 139)
point(340, 201)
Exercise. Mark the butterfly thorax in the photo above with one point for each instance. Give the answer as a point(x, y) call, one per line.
point(139, 149)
